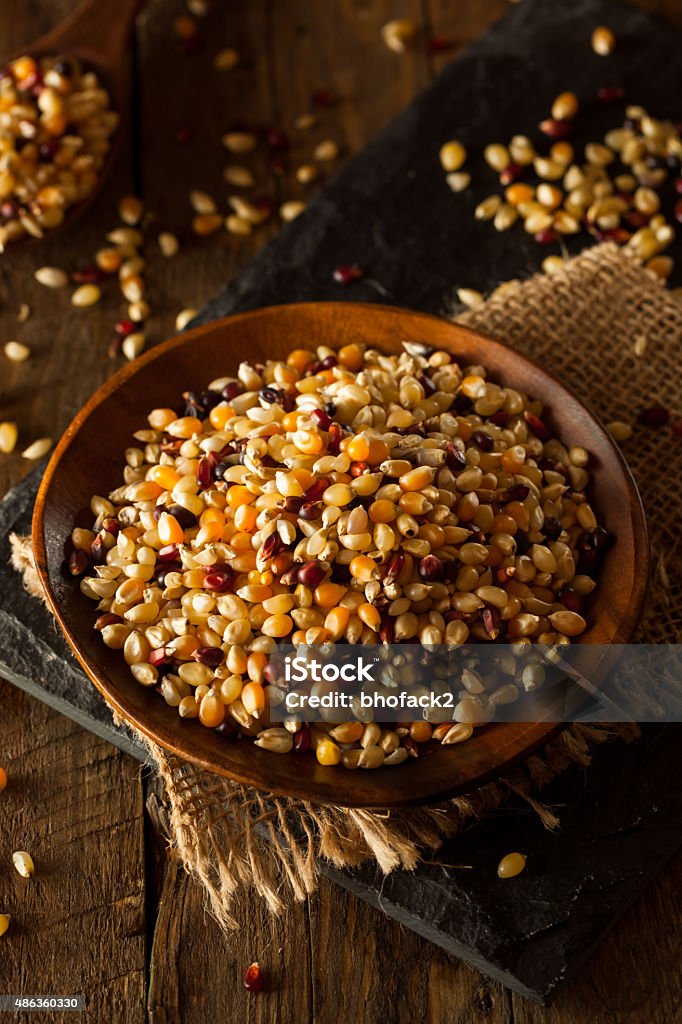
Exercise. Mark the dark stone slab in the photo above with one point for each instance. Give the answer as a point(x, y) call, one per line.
point(391, 212)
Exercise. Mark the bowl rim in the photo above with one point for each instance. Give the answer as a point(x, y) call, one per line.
point(537, 733)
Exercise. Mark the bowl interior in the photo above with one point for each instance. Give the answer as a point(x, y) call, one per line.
point(89, 461)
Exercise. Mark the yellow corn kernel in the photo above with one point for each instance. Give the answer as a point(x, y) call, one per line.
point(169, 530)
point(255, 666)
point(327, 595)
point(300, 358)
point(336, 622)
point(416, 479)
point(253, 698)
point(382, 511)
point(511, 865)
point(351, 357)
point(370, 616)
point(363, 568)
point(220, 415)
point(358, 448)
point(277, 626)
point(327, 752)
point(185, 427)
point(211, 710)
point(338, 495)
point(165, 476)
point(238, 495)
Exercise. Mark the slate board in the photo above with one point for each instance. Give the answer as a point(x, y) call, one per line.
point(390, 211)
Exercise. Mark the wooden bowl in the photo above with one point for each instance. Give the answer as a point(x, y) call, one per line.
point(89, 458)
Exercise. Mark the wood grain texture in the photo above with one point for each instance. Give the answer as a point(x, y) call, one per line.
point(334, 958)
point(75, 804)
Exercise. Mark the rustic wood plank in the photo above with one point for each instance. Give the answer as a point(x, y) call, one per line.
point(75, 803)
point(186, 935)
point(368, 968)
point(208, 103)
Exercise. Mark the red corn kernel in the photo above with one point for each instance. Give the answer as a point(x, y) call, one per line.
point(395, 566)
point(334, 439)
point(430, 568)
point(512, 172)
point(618, 235)
point(677, 428)
point(571, 599)
point(439, 44)
point(655, 416)
point(302, 739)
point(317, 489)
point(537, 426)
point(78, 562)
point(310, 574)
point(211, 656)
point(276, 140)
point(160, 656)
point(206, 470)
point(292, 504)
point(98, 550)
point(678, 211)
point(347, 273)
point(324, 98)
point(219, 581)
point(555, 129)
point(124, 327)
point(678, 186)
point(489, 623)
point(610, 94)
point(108, 619)
point(169, 553)
point(546, 237)
point(358, 468)
point(636, 219)
point(386, 630)
point(320, 417)
point(253, 979)
point(87, 275)
point(310, 510)
point(271, 546)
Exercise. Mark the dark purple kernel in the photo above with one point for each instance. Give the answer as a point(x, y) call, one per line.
point(455, 459)
point(430, 568)
point(231, 391)
point(482, 440)
point(552, 528)
point(211, 656)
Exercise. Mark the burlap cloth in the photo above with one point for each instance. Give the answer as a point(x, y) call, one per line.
point(586, 324)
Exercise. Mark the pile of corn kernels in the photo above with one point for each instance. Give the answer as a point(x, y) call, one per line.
point(55, 131)
point(339, 497)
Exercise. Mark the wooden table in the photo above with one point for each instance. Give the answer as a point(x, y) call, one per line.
point(109, 913)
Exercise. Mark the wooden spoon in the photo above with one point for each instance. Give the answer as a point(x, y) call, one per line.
point(97, 33)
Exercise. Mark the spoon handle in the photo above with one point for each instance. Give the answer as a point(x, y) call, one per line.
point(96, 31)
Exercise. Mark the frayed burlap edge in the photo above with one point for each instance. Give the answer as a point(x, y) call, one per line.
point(234, 839)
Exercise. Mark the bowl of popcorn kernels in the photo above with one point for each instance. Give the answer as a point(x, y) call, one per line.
point(367, 476)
